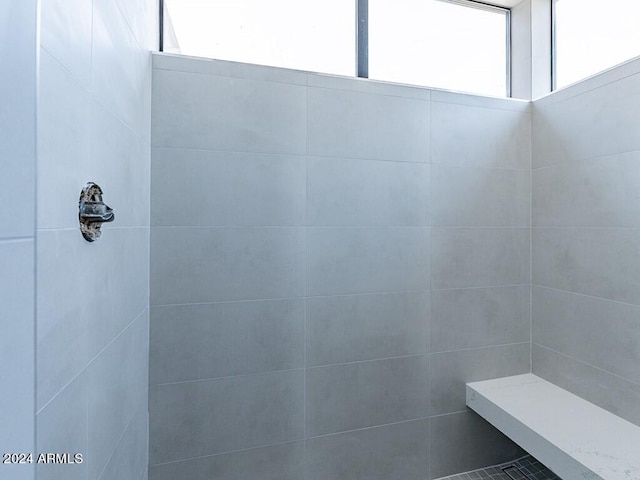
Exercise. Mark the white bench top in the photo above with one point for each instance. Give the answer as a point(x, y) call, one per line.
point(574, 438)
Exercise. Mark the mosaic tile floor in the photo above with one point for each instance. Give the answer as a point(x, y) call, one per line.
point(525, 468)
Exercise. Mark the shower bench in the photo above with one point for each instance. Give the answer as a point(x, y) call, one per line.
point(574, 438)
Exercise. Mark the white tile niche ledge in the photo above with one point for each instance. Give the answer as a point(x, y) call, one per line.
point(574, 438)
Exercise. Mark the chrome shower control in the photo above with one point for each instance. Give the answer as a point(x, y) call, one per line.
point(93, 212)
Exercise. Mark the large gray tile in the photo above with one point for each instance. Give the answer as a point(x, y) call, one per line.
point(478, 257)
point(479, 317)
point(17, 322)
point(18, 120)
point(121, 287)
point(130, 458)
point(610, 76)
point(450, 371)
point(225, 68)
point(398, 452)
point(62, 328)
point(191, 265)
point(604, 389)
point(62, 428)
point(594, 193)
point(89, 292)
point(481, 101)
point(356, 395)
point(201, 418)
point(221, 113)
point(141, 17)
point(361, 192)
point(281, 462)
point(480, 136)
point(360, 125)
point(226, 188)
point(463, 196)
point(191, 342)
point(365, 327)
point(117, 382)
point(120, 164)
point(594, 261)
point(64, 142)
point(599, 332)
point(364, 260)
point(547, 137)
point(120, 67)
point(593, 124)
point(462, 442)
point(367, 85)
point(17, 186)
point(65, 33)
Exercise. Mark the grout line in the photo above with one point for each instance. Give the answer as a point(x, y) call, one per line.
point(93, 98)
point(240, 76)
point(342, 227)
point(293, 155)
point(382, 425)
point(419, 419)
point(522, 105)
point(554, 227)
point(306, 281)
point(283, 71)
point(586, 295)
point(233, 152)
point(627, 380)
point(34, 250)
point(10, 240)
point(92, 360)
point(513, 285)
point(130, 28)
point(296, 226)
point(336, 295)
point(213, 151)
point(564, 92)
point(430, 209)
point(379, 84)
point(151, 465)
point(227, 377)
point(455, 412)
point(105, 229)
point(298, 369)
point(383, 359)
point(573, 162)
point(276, 299)
point(500, 345)
point(117, 444)
point(531, 195)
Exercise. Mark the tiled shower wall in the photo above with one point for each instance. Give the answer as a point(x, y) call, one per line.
point(18, 49)
point(331, 260)
point(92, 299)
point(586, 239)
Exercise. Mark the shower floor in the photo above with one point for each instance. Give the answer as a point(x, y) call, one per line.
point(525, 468)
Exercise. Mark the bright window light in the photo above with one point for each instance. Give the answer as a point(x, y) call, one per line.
point(439, 44)
point(301, 34)
point(451, 44)
point(592, 35)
